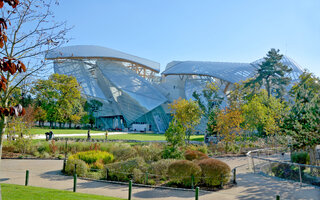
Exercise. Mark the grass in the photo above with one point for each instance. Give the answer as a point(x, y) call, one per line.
point(141, 137)
point(15, 192)
point(39, 131)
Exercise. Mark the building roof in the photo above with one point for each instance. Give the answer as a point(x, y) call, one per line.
point(231, 72)
point(94, 52)
point(227, 71)
point(297, 70)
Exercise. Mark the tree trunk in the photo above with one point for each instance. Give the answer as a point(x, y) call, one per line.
point(268, 88)
point(3, 122)
point(313, 158)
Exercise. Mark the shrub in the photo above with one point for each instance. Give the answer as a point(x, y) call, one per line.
point(138, 176)
point(194, 155)
point(214, 171)
point(171, 152)
point(44, 147)
point(149, 153)
point(201, 148)
point(97, 165)
point(180, 172)
point(23, 145)
point(82, 167)
point(161, 168)
point(123, 171)
point(287, 171)
point(123, 152)
point(45, 155)
point(300, 157)
point(93, 156)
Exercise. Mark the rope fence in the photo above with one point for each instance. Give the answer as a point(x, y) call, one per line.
point(277, 163)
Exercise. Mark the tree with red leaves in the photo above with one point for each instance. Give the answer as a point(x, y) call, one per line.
point(27, 33)
point(8, 67)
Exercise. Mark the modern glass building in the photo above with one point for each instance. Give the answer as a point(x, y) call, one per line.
point(133, 93)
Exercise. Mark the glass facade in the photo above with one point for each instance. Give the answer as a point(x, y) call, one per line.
point(131, 91)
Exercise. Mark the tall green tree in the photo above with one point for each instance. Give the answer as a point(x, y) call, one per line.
point(272, 74)
point(209, 102)
point(303, 121)
point(263, 114)
point(60, 97)
point(187, 113)
point(92, 107)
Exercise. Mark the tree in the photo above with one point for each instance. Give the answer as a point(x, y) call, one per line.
point(303, 121)
point(60, 97)
point(175, 134)
point(229, 125)
point(92, 107)
point(272, 74)
point(8, 68)
point(28, 38)
point(187, 113)
point(40, 115)
point(263, 114)
point(209, 102)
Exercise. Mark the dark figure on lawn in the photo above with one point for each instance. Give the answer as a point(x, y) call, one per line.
point(49, 135)
point(89, 137)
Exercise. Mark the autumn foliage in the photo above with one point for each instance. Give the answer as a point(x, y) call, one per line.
point(9, 65)
point(229, 124)
point(195, 155)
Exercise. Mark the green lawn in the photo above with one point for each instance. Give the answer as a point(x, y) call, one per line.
point(60, 131)
point(141, 137)
point(14, 192)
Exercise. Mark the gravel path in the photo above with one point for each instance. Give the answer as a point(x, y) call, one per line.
point(46, 173)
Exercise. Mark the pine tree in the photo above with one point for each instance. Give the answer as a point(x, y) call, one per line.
point(272, 74)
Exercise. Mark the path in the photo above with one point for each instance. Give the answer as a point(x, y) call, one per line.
point(46, 173)
point(43, 136)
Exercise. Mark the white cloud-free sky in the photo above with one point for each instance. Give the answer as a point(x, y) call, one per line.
point(201, 30)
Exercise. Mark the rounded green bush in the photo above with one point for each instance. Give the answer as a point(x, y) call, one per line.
point(93, 156)
point(300, 157)
point(82, 167)
point(160, 168)
point(214, 172)
point(181, 171)
point(123, 171)
point(123, 152)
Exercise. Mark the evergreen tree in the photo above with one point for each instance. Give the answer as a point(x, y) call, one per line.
point(302, 123)
point(272, 74)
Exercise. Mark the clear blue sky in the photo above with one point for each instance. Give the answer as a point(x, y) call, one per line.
point(202, 30)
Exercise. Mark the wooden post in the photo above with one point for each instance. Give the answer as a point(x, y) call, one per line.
point(197, 193)
point(130, 190)
point(146, 178)
point(192, 181)
point(107, 173)
point(27, 178)
point(300, 175)
point(234, 176)
point(74, 182)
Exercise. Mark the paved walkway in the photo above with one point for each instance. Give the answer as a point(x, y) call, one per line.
point(42, 136)
point(46, 173)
